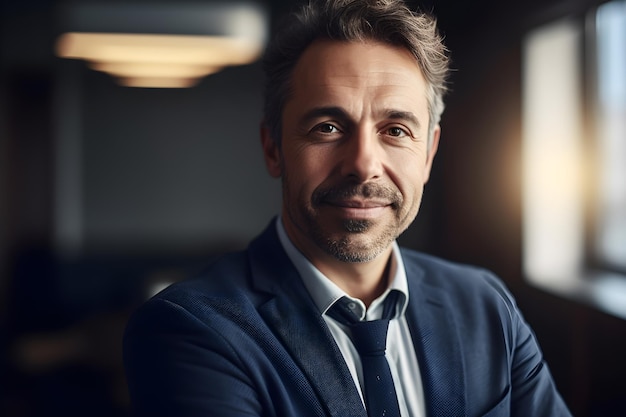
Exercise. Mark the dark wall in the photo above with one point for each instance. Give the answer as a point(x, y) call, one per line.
point(170, 178)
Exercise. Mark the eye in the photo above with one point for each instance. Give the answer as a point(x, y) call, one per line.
point(328, 131)
point(396, 132)
point(325, 128)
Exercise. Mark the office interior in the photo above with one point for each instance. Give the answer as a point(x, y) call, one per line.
point(109, 193)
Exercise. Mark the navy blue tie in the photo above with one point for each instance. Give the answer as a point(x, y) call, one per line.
point(370, 339)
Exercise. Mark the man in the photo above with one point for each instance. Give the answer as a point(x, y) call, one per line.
point(353, 101)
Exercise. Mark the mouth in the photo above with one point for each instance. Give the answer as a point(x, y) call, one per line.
point(359, 203)
point(363, 201)
point(370, 213)
point(357, 209)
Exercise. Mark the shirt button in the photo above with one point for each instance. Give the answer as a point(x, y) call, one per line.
point(351, 305)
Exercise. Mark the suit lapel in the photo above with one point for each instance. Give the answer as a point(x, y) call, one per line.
point(293, 316)
point(296, 321)
point(437, 345)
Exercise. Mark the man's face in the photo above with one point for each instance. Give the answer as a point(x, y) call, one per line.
point(354, 157)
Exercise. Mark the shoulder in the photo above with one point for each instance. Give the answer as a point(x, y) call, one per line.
point(460, 282)
point(207, 297)
point(473, 297)
point(227, 273)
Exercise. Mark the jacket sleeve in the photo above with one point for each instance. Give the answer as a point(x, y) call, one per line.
point(177, 365)
point(533, 392)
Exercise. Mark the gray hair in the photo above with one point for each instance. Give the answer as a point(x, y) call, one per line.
point(386, 21)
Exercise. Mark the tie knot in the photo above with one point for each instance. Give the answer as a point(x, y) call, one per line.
point(370, 337)
point(344, 310)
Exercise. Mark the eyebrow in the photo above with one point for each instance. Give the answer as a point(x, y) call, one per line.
point(402, 115)
point(341, 114)
point(329, 111)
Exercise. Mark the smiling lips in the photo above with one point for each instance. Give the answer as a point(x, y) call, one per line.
point(359, 202)
point(360, 209)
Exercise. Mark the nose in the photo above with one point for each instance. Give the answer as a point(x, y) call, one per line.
point(362, 157)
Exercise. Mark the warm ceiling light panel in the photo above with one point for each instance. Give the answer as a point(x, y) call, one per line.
point(159, 45)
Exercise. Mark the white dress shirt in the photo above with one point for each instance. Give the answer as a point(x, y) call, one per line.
point(400, 350)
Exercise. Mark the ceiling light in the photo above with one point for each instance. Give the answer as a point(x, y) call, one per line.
point(163, 45)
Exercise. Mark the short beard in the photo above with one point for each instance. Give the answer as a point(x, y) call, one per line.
point(343, 248)
point(342, 251)
point(357, 226)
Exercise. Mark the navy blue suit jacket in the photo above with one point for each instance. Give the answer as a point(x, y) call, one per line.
point(245, 339)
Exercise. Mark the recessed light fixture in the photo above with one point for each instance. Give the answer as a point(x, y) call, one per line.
point(159, 45)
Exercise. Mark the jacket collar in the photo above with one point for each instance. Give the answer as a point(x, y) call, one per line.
point(294, 317)
point(297, 322)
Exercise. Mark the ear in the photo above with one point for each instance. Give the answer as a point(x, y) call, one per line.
point(271, 152)
point(431, 153)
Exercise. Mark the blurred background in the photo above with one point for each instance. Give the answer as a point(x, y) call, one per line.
point(109, 192)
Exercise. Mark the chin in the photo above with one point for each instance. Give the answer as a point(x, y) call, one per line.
point(355, 247)
point(345, 252)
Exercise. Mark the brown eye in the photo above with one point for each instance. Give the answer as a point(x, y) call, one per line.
point(396, 132)
point(326, 128)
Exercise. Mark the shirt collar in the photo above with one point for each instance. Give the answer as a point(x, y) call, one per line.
point(325, 292)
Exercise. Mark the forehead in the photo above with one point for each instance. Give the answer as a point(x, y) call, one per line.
point(340, 69)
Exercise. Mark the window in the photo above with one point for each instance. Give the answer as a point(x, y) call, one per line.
point(574, 156)
point(610, 241)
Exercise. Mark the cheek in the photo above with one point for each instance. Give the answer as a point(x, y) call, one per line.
point(308, 165)
point(411, 186)
point(302, 176)
point(408, 173)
